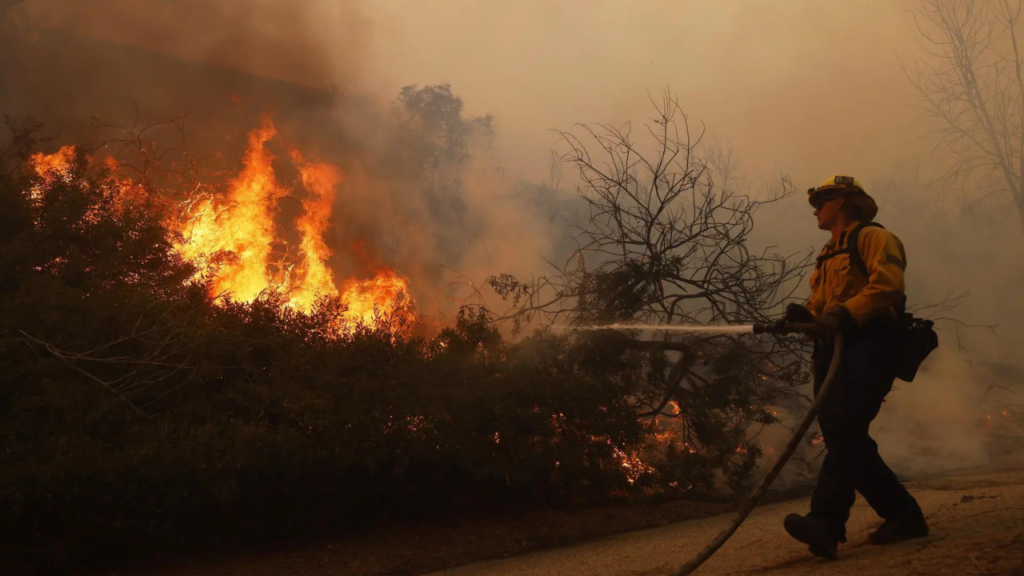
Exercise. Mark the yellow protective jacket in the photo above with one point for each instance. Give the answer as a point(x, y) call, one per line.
point(835, 282)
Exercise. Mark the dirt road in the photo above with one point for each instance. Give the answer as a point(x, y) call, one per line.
point(977, 522)
point(977, 527)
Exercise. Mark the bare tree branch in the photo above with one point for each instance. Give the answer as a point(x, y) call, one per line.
point(666, 240)
point(151, 361)
point(970, 80)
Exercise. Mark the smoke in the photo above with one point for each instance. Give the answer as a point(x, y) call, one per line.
point(795, 83)
point(934, 423)
point(308, 43)
point(436, 207)
point(802, 87)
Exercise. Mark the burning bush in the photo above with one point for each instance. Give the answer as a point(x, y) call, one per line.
point(181, 367)
point(141, 410)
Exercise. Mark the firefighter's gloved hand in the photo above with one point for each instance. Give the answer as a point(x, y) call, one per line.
point(795, 314)
point(798, 314)
point(832, 322)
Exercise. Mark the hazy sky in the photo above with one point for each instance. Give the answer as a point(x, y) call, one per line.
point(809, 86)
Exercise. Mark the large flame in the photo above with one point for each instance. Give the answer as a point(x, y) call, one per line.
point(320, 180)
point(236, 236)
point(234, 240)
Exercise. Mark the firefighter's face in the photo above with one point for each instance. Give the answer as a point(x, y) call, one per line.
point(827, 210)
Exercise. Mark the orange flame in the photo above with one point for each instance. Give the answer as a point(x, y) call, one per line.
point(51, 168)
point(383, 297)
point(58, 167)
point(320, 180)
point(234, 240)
point(237, 236)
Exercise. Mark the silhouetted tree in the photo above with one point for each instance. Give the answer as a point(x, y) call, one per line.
point(663, 245)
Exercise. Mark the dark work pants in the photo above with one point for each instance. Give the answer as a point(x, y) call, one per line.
point(852, 463)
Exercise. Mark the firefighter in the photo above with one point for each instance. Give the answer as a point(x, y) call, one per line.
point(857, 289)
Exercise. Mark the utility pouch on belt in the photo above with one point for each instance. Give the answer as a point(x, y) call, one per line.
point(914, 339)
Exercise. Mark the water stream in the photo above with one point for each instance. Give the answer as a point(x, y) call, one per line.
point(695, 329)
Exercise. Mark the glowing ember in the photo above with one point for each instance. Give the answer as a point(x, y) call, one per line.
point(632, 465)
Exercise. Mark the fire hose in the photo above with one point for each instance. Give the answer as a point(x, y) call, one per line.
point(794, 441)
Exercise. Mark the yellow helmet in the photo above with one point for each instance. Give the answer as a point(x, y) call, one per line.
point(839, 182)
point(850, 188)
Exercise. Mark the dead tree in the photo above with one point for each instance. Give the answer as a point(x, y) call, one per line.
point(664, 244)
point(970, 80)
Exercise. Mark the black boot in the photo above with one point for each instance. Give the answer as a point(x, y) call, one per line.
point(812, 531)
point(892, 531)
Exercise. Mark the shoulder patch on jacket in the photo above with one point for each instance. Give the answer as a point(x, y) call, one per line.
point(895, 261)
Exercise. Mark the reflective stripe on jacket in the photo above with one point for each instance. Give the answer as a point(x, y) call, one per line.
point(835, 282)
